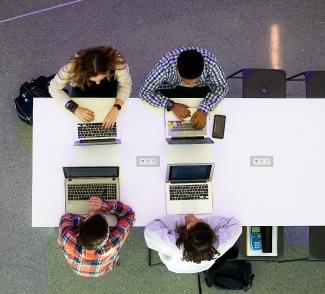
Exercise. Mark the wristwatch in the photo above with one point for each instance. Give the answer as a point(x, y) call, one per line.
point(71, 105)
point(118, 106)
point(170, 105)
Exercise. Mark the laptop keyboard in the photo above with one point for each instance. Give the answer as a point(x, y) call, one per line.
point(186, 128)
point(85, 191)
point(188, 192)
point(94, 130)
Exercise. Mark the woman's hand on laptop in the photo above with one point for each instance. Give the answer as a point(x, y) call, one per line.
point(84, 114)
point(95, 203)
point(110, 118)
point(199, 120)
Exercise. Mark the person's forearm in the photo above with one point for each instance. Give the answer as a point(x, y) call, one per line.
point(211, 101)
point(58, 94)
point(124, 84)
point(119, 101)
point(149, 92)
point(59, 82)
point(68, 225)
point(117, 208)
point(156, 100)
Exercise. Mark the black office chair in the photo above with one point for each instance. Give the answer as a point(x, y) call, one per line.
point(316, 243)
point(262, 83)
point(160, 263)
point(314, 83)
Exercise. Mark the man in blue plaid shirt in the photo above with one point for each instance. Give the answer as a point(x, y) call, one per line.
point(190, 72)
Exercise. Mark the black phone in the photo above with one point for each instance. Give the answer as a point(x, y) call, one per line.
point(219, 126)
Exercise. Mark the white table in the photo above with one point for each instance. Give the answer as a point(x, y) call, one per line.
point(292, 192)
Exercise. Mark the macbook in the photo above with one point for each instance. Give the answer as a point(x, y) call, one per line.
point(81, 183)
point(188, 188)
point(178, 132)
point(94, 134)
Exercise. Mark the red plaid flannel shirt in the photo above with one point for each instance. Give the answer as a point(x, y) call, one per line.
point(94, 263)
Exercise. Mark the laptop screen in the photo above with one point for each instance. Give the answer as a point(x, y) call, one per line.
point(190, 173)
point(91, 171)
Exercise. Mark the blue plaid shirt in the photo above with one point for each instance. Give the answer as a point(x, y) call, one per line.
point(165, 76)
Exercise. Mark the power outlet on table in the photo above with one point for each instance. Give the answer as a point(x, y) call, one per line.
point(261, 161)
point(148, 161)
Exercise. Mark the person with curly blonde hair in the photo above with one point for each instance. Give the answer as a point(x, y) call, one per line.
point(93, 72)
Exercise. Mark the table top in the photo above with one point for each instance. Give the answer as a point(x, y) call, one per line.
point(291, 192)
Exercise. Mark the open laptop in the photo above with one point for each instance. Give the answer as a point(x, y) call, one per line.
point(178, 132)
point(81, 183)
point(94, 134)
point(188, 188)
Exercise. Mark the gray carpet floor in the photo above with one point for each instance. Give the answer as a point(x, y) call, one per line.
point(133, 274)
point(238, 32)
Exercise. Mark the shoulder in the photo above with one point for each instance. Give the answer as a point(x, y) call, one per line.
point(122, 67)
point(66, 216)
point(205, 52)
point(70, 66)
point(172, 55)
point(66, 72)
point(119, 60)
point(216, 222)
point(171, 221)
point(170, 58)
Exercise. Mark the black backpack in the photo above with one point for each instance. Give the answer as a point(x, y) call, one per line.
point(234, 275)
point(24, 102)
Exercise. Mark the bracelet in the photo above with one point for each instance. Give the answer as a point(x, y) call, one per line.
point(71, 105)
point(118, 106)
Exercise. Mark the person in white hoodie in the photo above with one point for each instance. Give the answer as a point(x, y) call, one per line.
point(187, 244)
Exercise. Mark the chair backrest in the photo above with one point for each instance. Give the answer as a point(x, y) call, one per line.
point(316, 243)
point(264, 83)
point(315, 84)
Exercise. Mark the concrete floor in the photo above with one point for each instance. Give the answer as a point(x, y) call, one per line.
point(274, 34)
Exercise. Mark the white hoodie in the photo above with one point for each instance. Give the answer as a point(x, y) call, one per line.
point(161, 236)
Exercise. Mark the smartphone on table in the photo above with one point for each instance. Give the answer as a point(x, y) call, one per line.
point(219, 126)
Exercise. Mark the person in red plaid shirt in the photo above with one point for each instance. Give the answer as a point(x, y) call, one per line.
point(90, 247)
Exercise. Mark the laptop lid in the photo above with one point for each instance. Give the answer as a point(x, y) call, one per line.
point(91, 172)
point(189, 173)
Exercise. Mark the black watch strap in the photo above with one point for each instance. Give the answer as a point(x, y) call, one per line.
point(170, 105)
point(118, 106)
point(71, 105)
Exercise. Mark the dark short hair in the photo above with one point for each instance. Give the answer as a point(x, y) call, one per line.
point(93, 231)
point(197, 241)
point(190, 64)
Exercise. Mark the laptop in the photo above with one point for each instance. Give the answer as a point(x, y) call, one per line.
point(189, 189)
point(94, 134)
point(178, 132)
point(81, 183)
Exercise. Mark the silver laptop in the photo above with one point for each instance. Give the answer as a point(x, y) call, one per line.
point(81, 183)
point(178, 132)
point(94, 134)
point(189, 189)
